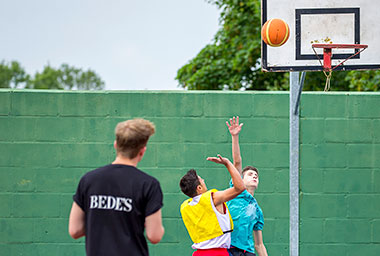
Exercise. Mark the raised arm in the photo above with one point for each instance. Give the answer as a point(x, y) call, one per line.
point(234, 127)
point(230, 193)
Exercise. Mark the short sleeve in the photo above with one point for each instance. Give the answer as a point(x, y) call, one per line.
point(154, 198)
point(78, 197)
point(260, 219)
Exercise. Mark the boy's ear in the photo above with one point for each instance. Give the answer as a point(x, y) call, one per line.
point(142, 152)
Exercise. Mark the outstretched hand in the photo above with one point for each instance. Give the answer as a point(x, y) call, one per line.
point(219, 160)
point(234, 127)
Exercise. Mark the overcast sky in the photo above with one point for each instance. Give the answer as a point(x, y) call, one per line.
point(132, 45)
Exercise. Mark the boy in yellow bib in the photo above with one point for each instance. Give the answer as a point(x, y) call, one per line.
point(205, 214)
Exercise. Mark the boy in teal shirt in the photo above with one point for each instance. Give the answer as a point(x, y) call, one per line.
point(245, 212)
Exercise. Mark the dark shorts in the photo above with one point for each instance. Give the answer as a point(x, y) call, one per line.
point(234, 251)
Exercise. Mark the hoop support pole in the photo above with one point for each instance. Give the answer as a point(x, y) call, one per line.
point(293, 165)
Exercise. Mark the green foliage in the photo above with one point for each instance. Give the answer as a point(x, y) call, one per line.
point(232, 61)
point(48, 79)
point(12, 75)
point(368, 80)
point(316, 81)
point(65, 78)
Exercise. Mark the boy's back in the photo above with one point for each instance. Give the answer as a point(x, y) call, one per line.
point(116, 199)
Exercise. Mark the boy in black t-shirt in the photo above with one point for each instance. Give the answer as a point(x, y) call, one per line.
point(114, 203)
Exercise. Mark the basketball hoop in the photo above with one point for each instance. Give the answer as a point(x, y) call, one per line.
point(327, 55)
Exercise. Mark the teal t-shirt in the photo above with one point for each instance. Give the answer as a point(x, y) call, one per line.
point(247, 217)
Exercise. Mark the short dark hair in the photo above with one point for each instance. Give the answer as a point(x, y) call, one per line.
point(189, 183)
point(247, 168)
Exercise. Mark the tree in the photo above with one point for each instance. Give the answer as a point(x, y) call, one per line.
point(12, 75)
point(368, 80)
point(232, 60)
point(65, 78)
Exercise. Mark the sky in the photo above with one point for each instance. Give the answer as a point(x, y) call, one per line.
point(131, 45)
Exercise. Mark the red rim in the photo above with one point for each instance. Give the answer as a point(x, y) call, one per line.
point(331, 46)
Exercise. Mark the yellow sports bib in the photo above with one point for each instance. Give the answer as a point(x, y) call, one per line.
point(200, 219)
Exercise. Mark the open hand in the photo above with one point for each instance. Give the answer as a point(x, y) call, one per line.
point(219, 160)
point(234, 127)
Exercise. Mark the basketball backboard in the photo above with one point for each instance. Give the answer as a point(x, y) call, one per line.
point(323, 22)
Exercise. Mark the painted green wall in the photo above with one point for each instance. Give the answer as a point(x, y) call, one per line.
point(340, 174)
point(48, 140)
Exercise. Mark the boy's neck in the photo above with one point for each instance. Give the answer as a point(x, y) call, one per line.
point(126, 161)
point(251, 190)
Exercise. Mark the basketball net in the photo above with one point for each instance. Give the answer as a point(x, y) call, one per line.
point(327, 70)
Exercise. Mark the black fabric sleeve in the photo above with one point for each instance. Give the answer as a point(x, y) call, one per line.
point(78, 197)
point(154, 198)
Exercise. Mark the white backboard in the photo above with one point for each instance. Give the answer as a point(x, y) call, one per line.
point(323, 21)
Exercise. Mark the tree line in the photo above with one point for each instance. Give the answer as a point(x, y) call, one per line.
point(230, 62)
point(13, 75)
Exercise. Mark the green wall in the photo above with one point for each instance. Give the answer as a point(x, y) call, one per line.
point(49, 139)
point(340, 174)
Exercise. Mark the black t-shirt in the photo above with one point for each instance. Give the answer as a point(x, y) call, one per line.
point(116, 199)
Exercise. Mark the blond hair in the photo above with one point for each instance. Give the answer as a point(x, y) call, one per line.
point(132, 136)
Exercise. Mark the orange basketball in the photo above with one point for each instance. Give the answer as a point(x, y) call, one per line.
point(275, 32)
